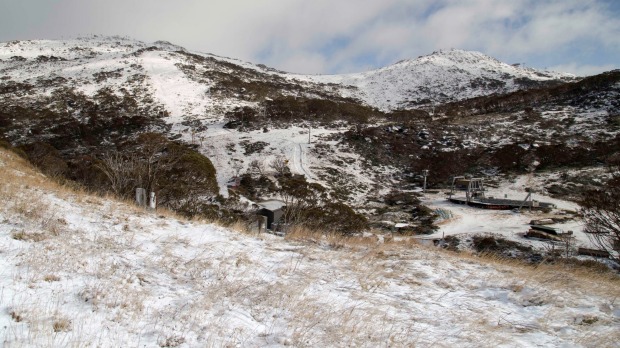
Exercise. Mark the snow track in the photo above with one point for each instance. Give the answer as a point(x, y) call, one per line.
point(299, 158)
point(226, 150)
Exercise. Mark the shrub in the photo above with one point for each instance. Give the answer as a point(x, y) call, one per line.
point(47, 158)
point(336, 217)
point(254, 188)
point(190, 181)
point(601, 214)
point(309, 205)
point(498, 246)
point(6, 145)
point(401, 198)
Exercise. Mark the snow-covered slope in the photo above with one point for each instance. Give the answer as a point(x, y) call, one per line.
point(148, 73)
point(79, 270)
point(442, 76)
point(202, 85)
point(187, 95)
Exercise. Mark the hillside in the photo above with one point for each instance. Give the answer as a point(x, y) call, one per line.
point(354, 142)
point(184, 83)
point(82, 270)
point(443, 76)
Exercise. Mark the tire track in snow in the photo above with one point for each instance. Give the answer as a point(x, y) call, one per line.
point(298, 159)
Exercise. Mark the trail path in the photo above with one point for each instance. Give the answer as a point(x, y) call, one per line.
point(299, 158)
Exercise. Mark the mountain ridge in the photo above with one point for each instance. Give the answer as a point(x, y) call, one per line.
point(443, 76)
point(68, 104)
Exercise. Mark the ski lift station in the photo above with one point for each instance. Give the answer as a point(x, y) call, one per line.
point(474, 191)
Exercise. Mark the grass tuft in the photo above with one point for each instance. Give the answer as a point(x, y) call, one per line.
point(61, 325)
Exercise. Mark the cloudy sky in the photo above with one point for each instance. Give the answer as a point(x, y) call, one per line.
point(327, 36)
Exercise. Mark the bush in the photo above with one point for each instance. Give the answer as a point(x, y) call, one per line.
point(601, 214)
point(6, 145)
point(46, 158)
point(309, 205)
point(497, 245)
point(401, 198)
point(187, 184)
point(254, 188)
point(336, 217)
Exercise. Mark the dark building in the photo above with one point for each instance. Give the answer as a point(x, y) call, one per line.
point(272, 209)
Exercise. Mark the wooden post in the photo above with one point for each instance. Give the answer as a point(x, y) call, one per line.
point(141, 197)
point(153, 201)
point(529, 196)
point(262, 224)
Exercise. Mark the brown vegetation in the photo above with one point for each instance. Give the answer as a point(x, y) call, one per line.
point(601, 214)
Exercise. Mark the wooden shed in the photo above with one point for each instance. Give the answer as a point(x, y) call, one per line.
point(273, 209)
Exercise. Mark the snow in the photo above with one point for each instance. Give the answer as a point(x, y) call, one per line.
point(272, 204)
point(179, 95)
point(446, 72)
point(290, 144)
point(442, 76)
point(511, 225)
point(120, 276)
point(126, 277)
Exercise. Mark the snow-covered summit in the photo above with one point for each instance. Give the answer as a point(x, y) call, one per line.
point(474, 61)
point(183, 82)
point(443, 76)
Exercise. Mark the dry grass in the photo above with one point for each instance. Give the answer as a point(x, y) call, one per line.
point(27, 204)
point(220, 276)
point(16, 316)
point(17, 173)
point(558, 276)
point(23, 185)
point(51, 278)
point(61, 324)
point(241, 227)
point(334, 240)
point(596, 279)
point(28, 236)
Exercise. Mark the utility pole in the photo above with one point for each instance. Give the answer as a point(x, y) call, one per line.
point(425, 174)
point(309, 130)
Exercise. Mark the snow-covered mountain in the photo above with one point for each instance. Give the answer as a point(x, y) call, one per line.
point(79, 269)
point(69, 103)
point(443, 76)
point(183, 83)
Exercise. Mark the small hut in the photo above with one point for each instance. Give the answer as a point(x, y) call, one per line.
point(273, 210)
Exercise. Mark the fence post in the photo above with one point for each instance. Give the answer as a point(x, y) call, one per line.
point(153, 201)
point(141, 197)
point(264, 224)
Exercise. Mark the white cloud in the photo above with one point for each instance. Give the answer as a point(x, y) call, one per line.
point(303, 63)
point(560, 24)
point(335, 36)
